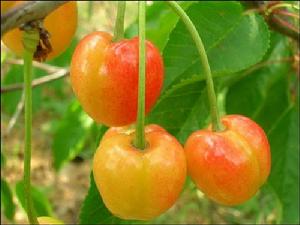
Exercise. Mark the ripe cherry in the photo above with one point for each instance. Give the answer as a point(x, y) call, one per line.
point(139, 184)
point(229, 166)
point(104, 77)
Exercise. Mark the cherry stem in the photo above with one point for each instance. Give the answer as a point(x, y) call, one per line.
point(119, 26)
point(30, 42)
point(140, 132)
point(215, 117)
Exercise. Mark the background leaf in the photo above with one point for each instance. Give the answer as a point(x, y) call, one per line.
point(40, 201)
point(213, 21)
point(220, 26)
point(9, 207)
point(263, 94)
point(70, 134)
point(183, 109)
point(284, 177)
point(3, 159)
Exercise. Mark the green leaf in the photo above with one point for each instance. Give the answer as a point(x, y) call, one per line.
point(262, 94)
point(93, 210)
point(8, 205)
point(40, 201)
point(183, 109)
point(233, 42)
point(213, 20)
point(70, 134)
point(243, 47)
point(284, 178)
point(277, 96)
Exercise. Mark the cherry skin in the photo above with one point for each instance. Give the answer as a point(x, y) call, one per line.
point(104, 77)
point(61, 25)
point(139, 184)
point(231, 165)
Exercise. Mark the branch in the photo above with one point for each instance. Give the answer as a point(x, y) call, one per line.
point(36, 82)
point(286, 13)
point(271, 12)
point(283, 27)
point(29, 11)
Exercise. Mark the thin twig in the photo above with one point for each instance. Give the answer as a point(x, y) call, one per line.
point(29, 11)
point(46, 67)
point(37, 82)
point(16, 114)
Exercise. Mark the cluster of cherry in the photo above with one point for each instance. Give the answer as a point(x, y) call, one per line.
point(229, 166)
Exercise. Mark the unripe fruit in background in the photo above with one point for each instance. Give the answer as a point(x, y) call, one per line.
point(139, 184)
point(104, 77)
point(60, 23)
point(48, 220)
point(231, 165)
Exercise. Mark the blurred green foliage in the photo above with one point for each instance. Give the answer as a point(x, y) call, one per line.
point(41, 203)
point(9, 206)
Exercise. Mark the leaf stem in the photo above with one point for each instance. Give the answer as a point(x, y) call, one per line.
point(216, 124)
point(119, 25)
point(140, 132)
point(30, 41)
